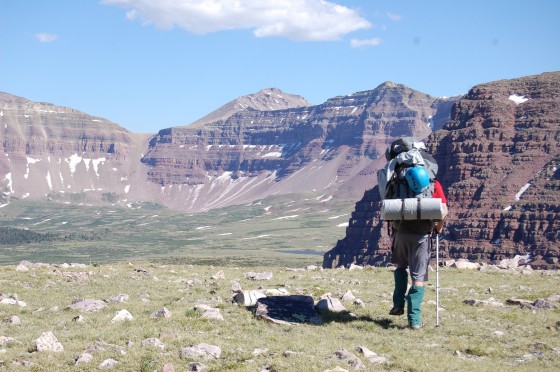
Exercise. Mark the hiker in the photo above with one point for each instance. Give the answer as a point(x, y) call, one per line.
point(410, 173)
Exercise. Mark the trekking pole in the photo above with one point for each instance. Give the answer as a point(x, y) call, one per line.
point(437, 280)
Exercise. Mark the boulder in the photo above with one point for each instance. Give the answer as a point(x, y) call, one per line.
point(267, 275)
point(294, 309)
point(248, 298)
point(330, 305)
point(153, 343)
point(353, 361)
point(161, 313)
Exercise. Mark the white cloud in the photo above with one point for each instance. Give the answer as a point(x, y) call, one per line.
point(359, 43)
point(295, 19)
point(45, 38)
point(394, 17)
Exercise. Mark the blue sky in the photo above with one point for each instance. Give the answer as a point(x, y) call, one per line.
point(154, 64)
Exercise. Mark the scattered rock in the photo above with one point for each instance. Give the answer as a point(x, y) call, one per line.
point(13, 320)
point(87, 305)
point(213, 314)
point(353, 361)
point(372, 357)
point(78, 319)
point(168, 367)
point(120, 298)
point(11, 301)
point(330, 305)
point(348, 296)
point(277, 292)
point(554, 298)
point(101, 345)
point(466, 264)
point(235, 286)
point(286, 310)
point(153, 342)
point(76, 276)
point(248, 298)
point(267, 275)
point(144, 297)
point(517, 301)
point(108, 363)
point(312, 268)
point(219, 275)
point(490, 302)
point(122, 316)
point(359, 303)
point(196, 367)
point(355, 267)
point(161, 313)
point(48, 342)
point(543, 304)
point(258, 352)
point(203, 350)
point(498, 333)
point(85, 358)
point(4, 341)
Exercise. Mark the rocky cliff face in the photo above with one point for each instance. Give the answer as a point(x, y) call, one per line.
point(499, 157)
point(333, 147)
point(262, 144)
point(55, 151)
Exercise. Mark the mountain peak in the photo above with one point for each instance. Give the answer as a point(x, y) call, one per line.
point(268, 99)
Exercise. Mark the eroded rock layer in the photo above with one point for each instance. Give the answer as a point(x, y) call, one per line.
point(499, 158)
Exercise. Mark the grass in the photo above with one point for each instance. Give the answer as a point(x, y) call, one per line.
point(174, 249)
point(466, 340)
point(277, 229)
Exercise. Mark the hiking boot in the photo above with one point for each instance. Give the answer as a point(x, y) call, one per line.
point(414, 302)
point(396, 311)
point(399, 293)
point(415, 327)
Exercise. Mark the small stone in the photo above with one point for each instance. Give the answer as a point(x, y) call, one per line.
point(153, 343)
point(4, 341)
point(161, 313)
point(267, 275)
point(235, 286)
point(359, 303)
point(108, 363)
point(348, 296)
point(219, 275)
point(201, 350)
point(120, 298)
point(87, 305)
point(78, 319)
point(168, 367)
point(48, 342)
point(13, 320)
point(85, 358)
point(352, 360)
point(196, 367)
point(355, 267)
point(498, 333)
point(122, 316)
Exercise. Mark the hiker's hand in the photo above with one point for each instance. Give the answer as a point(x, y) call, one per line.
point(438, 227)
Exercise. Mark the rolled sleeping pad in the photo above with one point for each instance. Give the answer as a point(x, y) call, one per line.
point(412, 209)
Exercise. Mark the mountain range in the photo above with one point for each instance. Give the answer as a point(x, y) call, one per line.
point(497, 147)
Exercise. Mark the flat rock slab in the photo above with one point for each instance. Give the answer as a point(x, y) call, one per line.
point(87, 305)
point(288, 309)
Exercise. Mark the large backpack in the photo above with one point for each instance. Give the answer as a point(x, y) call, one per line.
point(402, 155)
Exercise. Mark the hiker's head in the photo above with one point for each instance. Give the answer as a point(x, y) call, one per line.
point(417, 178)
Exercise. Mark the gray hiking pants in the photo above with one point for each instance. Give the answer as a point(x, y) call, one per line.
point(412, 250)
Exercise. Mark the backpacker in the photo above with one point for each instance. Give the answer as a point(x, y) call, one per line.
point(406, 186)
point(402, 155)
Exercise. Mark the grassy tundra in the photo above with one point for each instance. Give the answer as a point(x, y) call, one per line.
point(471, 337)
